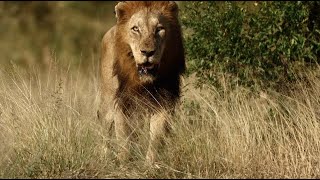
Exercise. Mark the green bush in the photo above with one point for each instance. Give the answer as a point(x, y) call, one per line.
point(259, 45)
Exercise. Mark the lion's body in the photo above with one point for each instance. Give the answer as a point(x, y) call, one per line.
point(155, 87)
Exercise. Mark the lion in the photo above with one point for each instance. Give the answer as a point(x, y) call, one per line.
point(142, 59)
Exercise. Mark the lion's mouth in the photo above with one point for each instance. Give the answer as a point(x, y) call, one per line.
point(147, 68)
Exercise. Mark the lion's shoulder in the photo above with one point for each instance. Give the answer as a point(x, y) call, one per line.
point(107, 59)
point(109, 37)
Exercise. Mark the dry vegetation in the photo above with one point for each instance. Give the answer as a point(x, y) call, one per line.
point(49, 129)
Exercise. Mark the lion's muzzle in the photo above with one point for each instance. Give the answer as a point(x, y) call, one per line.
point(147, 68)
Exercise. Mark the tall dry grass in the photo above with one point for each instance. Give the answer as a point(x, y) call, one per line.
point(49, 129)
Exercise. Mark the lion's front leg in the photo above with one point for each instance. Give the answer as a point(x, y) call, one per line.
point(106, 118)
point(122, 131)
point(158, 125)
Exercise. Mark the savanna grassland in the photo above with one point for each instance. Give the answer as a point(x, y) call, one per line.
point(49, 128)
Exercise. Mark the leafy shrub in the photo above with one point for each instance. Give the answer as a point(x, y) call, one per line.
point(261, 45)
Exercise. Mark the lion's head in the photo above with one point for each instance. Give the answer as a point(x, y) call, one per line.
point(146, 28)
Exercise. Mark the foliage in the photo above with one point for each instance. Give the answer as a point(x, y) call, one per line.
point(263, 45)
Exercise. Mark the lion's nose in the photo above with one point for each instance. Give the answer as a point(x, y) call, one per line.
point(147, 53)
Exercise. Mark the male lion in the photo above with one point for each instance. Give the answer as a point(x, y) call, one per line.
point(141, 63)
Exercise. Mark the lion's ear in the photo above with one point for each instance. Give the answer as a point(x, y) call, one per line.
point(118, 9)
point(173, 7)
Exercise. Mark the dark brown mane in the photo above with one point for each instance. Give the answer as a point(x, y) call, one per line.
point(166, 88)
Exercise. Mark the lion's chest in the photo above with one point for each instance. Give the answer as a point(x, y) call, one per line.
point(143, 99)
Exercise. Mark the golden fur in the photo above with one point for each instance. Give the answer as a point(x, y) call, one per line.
point(127, 92)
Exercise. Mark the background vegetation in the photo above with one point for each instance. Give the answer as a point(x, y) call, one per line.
point(250, 99)
point(34, 32)
point(261, 45)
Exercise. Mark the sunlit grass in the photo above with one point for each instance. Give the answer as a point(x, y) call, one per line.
point(49, 129)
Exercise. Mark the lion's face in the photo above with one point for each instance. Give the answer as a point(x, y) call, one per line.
point(146, 37)
point(145, 30)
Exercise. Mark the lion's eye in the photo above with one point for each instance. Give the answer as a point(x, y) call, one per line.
point(135, 28)
point(159, 28)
